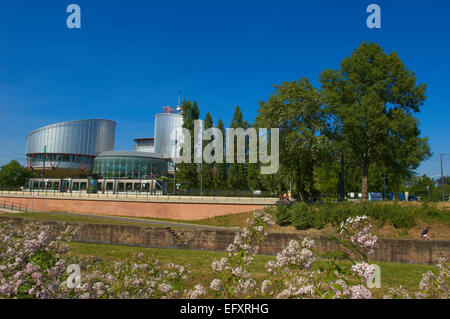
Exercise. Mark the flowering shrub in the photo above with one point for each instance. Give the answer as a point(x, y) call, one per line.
point(292, 274)
point(436, 287)
point(139, 277)
point(431, 286)
point(234, 279)
point(358, 230)
point(34, 266)
point(31, 265)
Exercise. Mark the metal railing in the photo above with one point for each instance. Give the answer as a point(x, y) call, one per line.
point(141, 196)
point(12, 206)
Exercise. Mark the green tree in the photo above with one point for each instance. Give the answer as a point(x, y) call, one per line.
point(237, 172)
point(187, 172)
point(254, 176)
point(446, 180)
point(220, 174)
point(14, 175)
point(296, 110)
point(420, 186)
point(371, 100)
point(326, 177)
point(207, 169)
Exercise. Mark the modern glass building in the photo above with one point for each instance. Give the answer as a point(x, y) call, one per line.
point(144, 145)
point(131, 165)
point(168, 130)
point(75, 149)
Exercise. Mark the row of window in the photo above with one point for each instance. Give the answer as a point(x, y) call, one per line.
point(137, 168)
point(60, 158)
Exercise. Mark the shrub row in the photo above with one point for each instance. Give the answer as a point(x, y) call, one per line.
point(305, 216)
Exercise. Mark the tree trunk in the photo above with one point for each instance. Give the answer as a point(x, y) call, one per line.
point(365, 179)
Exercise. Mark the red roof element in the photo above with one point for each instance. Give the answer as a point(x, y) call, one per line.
point(168, 109)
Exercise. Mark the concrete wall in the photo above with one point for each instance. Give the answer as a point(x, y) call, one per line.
point(389, 250)
point(137, 208)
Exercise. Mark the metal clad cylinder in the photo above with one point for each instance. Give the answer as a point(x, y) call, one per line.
point(84, 137)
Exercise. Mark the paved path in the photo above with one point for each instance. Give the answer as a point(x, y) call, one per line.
point(9, 211)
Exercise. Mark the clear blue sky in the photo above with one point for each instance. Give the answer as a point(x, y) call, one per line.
point(131, 57)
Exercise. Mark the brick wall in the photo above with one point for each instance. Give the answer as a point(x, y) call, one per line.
point(170, 210)
point(389, 250)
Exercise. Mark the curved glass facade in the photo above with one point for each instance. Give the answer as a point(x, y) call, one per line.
point(70, 145)
point(84, 137)
point(168, 129)
point(133, 165)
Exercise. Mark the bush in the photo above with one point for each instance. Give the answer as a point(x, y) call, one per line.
point(320, 218)
point(302, 216)
point(282, 215)
point(403, 220)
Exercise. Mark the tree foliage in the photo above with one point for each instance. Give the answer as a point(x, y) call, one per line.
point(187, 172)
point(220, 174)
point(237, 172)
point(207, 169)
point(14, 175)
point(372, 99)
point(295, 109)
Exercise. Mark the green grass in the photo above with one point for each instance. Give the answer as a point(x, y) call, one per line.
point(231, 220)
point(78, 219)
point(392, 274)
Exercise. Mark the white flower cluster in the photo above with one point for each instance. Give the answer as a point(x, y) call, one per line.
point(236, 279)
point(363, 270)
point(436, 287)
point(195, 293)
point(359, 229)
point(295, 256)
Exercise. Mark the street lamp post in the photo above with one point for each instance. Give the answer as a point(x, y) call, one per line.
point(43, 167)
point(442, 176)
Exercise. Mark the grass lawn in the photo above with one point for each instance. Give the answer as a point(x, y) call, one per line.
point(231, 220)
point(392, 274)
point(78, 219)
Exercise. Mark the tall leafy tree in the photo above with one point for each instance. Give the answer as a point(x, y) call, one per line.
point(14, 175)
point(187, 172)
point(220, 174)
point(254, 176)
point(421, 186)
point(237, 172)
point(207, 169)
point(295, 109)
point(372, 99)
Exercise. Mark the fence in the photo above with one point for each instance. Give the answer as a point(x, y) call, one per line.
point(12, 206)
point(141, 196)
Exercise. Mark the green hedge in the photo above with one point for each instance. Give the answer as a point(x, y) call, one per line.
point(305, 216)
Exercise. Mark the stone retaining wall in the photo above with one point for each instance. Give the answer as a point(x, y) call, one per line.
point(389, 250)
